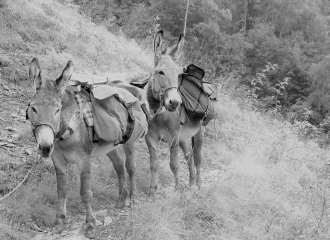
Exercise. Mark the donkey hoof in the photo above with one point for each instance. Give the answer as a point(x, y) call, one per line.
point(133, 200)
point(179, 187)
point(120, 204)
point(192, 182)
point(90, 231)
point(199, 183)
point(152, 190)
point(59, 225)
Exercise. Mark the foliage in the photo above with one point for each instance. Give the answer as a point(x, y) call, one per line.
point(239, 38)
point(264, 178)
point(260, 85)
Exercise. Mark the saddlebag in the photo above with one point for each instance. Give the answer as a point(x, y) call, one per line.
point(198, 97)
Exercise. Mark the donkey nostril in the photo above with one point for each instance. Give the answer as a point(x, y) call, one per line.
point(174, 103)
point(46, 149)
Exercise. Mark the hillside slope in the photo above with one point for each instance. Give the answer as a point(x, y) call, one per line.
point(260, 180)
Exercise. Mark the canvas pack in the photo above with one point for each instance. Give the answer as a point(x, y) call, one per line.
point(198, 96)
point(119, 114)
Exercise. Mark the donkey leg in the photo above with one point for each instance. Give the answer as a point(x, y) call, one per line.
point(61, 168)
point(197, 143)
point(130, 168)
point(153, 142)
point(86, 196)
point(189, 158)
point(118, 164)
point(174, 162)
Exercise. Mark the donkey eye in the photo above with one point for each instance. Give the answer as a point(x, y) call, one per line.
point(34, 110)
point(57, 111)
point(161, 73)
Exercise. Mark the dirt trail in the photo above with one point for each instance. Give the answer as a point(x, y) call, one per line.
point(18, 155)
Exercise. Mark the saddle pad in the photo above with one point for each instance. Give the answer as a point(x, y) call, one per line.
point(105, 91)
point(78, 78)
point(87, 111)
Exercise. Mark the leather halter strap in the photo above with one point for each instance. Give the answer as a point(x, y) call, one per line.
point(158, 94)
point(71, 128)
point(157, 91)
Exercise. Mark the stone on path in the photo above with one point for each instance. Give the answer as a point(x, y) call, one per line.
point(98, 222)
point(102, 213)
point(107, 221)
point(75, 238)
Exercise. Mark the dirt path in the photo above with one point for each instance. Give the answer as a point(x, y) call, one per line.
point(17, 157)
point(111, 222)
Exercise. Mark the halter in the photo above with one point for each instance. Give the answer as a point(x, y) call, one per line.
point(158, 93)
point(70, 129)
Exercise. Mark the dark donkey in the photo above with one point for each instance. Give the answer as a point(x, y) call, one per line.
point(50, 112)
point(162, 94)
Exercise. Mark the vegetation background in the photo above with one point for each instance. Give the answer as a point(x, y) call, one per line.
point(266, 167)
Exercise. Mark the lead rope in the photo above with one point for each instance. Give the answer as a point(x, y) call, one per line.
point(32, 168)
point(157, 112)
point(24, 179)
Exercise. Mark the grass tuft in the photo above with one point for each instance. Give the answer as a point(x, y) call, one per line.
point(260, 180)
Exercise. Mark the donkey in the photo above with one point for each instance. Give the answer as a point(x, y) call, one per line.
point(50, 112)
point(166, 105)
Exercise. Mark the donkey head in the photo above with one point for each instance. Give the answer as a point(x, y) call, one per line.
point(167, 70)
point(44, 110)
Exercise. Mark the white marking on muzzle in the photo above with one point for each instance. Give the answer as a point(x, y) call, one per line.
point(172, 96)
point(45, 137)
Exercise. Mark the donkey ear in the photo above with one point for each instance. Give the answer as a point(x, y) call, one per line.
point(177, 51)
point(159, 47)
point(65, 76)
point(35, 74)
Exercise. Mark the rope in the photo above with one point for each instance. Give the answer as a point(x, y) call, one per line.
point(20, 184)
point(156, 113)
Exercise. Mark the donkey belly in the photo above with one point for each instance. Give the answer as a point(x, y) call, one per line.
point(189, 129)
point(167, 126)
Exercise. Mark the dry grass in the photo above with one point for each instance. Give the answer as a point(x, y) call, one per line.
point(56, 33)
point(275, 187)
point(261, 181)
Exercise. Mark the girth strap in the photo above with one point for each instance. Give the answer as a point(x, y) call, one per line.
point(130, 120)
point(130, 128)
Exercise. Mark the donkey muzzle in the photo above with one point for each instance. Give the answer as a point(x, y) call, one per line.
point(46, 149)
point(173, 105)
point(44, 135)
point(172, 99)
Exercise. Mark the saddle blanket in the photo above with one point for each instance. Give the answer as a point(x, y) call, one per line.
point(87, 111)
